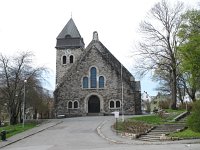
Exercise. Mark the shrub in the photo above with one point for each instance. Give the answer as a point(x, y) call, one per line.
point(183, 106)
point(194, 119)
point(164, 104)
point(135, 127)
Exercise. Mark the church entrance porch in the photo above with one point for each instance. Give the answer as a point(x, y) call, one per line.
point(93, 104)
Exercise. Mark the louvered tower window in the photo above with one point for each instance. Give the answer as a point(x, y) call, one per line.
point(64, 60)
point(71, 59)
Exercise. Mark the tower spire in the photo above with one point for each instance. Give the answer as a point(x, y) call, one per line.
point(69, 37)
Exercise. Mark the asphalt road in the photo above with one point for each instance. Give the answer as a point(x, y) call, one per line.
point(81, 134)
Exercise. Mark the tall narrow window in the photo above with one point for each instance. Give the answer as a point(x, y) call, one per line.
point(112, 104)
point(69, 104)
point(118, 104)
point(75, 104)
point(93, 77)
point(85, 82)
point(64, 60)
point(71, 59)
point(101, 82)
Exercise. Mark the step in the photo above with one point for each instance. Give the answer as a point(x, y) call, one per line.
point(150, 139)
point(156, 133)
point(95, 114)
point(160, 131)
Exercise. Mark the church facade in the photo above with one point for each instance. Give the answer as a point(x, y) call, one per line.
point(91, 80)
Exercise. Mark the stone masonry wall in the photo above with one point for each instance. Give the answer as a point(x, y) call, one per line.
point(72, 89)
point(61, 69)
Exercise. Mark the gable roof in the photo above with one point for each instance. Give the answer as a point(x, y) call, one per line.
point(109, 58)
point(69, 29)
point(112, 60)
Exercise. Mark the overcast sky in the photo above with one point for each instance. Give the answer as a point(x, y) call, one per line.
point(33, 25)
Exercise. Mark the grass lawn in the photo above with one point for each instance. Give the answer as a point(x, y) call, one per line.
point(156, 119)
point(151, 119)
point(15, 129)
point(173, 113)
point(186, 134)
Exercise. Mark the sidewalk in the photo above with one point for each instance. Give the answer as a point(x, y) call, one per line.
point(104, 130)
point(30, 132)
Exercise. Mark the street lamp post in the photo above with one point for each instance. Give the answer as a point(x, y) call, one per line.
point(25, 81)
point(122, 95)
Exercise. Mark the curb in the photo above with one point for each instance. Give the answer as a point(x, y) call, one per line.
point(2, 144)
point(98, 129)
point(138, 142)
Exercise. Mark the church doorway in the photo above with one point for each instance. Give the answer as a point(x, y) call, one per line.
point(93, 104)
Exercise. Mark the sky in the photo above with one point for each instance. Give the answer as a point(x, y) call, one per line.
point(33, 25)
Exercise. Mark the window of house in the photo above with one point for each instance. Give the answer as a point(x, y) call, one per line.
point(101, 82)
point(71, 59)
point(85, 82)
point(75, 104)
point(93, 77)
point(112, 104)
point(69, 104)
point(64, 60)
point(118, 104)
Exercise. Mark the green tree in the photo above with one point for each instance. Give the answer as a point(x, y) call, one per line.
point(189, 50)
point(194, 119)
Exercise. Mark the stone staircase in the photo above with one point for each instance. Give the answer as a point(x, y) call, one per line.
point(158, 133)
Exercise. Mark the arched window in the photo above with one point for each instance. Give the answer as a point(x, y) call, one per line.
point(67, 36)
point(93, 77)
point(112, 104)
point(69, 104)
point(71, 59)
point(101, 82)
point(75, 104)
point(85, 82)
point(118, 103)
point(64, 60)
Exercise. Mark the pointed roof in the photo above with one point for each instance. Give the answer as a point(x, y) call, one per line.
point(69, 37)
point(69, 29)
point(108, 57)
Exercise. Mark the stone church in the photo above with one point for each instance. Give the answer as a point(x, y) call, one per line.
point(91, 80)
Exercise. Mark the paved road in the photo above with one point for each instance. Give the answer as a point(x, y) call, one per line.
point(81, 134)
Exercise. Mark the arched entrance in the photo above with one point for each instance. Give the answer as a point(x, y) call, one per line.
point(93, 104)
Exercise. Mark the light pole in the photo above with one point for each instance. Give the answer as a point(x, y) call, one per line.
point(25, 81)
point(122, 96)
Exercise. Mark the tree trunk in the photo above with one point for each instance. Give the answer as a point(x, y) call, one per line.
point(174, 90)
point(20, 116)
point(13, 119)
point(180, 95)
point(193, 92)
point(35, 114)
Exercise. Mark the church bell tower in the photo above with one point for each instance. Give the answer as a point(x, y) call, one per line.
point(69, 46)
